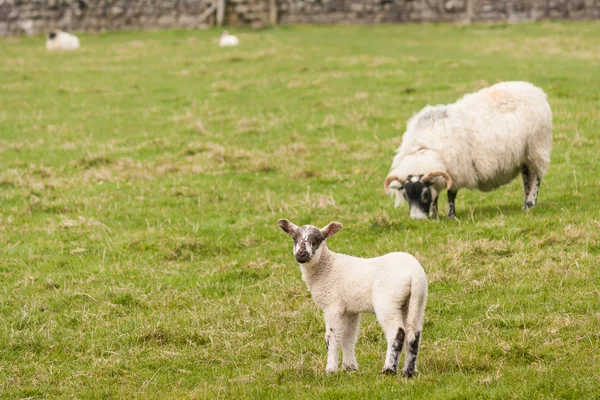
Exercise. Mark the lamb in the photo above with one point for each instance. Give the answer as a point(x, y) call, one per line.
point(480, 142)
point(59, 40)
point(227, 40)
point(393, 286)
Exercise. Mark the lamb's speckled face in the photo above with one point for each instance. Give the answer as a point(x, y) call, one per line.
point(308, 238)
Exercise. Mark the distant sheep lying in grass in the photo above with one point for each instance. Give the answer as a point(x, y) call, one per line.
point(227, 40)
point(59, 40)
point(393, 286)
point(480, 142)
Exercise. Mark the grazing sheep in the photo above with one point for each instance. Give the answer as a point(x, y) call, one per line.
point(227, 40)
point(480, 142)
point(392, 286)
point(59, 40)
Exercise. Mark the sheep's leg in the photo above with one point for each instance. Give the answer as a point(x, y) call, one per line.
point(393, 327)
point(434, 208)
point(349, 338)
point(451, 198)
point(526, 183)
point(531, 186)
point(412, 349)
point(334, 328)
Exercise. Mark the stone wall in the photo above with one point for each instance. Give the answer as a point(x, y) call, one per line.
point(33, 16)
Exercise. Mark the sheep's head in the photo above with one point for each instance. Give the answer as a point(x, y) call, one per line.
point(419, 190)
point(308, 239)
point(52, 35)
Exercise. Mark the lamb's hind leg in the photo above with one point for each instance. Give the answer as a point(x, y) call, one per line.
point(531, 186)
point(393, 327)
point(412, 350)
point(349, 338)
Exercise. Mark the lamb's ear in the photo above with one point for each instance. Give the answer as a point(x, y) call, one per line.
point(331, 229)
point(288, 227)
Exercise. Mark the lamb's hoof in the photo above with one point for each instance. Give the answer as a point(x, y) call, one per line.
point(350, 368)
point(408, 373)
point(388, 371)
point(330, 371)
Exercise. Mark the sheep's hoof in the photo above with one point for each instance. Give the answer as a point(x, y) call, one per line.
point(388, 371)
point(330, 371)
point(528, 206)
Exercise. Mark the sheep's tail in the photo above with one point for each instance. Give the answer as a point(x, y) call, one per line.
point(413, 324)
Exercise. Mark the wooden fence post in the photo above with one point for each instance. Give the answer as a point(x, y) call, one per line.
point(273, 12)
point(220, 12)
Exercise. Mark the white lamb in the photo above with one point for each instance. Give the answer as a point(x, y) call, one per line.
point(394, 286)
point(59, 40)
point(227, 40)
point(480, 142)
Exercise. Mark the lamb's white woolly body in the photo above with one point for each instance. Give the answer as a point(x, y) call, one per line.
point(393, 286)
point(482, 141)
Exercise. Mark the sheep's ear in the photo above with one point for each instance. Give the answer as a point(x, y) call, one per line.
point(288, 227)
point(331, 229)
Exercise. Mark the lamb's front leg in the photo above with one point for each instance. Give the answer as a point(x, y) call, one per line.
point(334, 329)
point(349, 337)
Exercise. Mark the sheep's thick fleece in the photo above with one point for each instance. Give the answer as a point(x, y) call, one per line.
point(482, 140)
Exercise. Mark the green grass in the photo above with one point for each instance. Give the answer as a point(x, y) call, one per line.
point(142, 177)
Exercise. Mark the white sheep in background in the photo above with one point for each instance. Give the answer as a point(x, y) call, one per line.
point(394, 286)
point(227, 40)
point(59, 40)
point(480, 142)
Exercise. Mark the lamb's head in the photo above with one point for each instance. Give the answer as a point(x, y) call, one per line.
point(52, 35)
point(419, 190)
point(308, 239)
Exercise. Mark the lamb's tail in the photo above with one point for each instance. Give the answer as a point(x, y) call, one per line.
point(413, 323)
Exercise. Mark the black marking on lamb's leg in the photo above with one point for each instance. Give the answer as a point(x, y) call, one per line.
point(451, 199)
point(434, 208)
point(328, 337)
point(395, 354)
point(412, 352)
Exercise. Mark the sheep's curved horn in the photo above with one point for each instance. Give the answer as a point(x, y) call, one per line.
point(390, 179)
point(443, 174)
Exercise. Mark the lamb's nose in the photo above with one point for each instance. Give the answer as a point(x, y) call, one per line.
point(302, 256)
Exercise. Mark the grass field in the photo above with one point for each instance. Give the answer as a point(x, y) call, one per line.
point(142, 177)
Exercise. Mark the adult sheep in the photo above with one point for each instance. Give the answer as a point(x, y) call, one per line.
point(59, 40)
point(480, 142)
